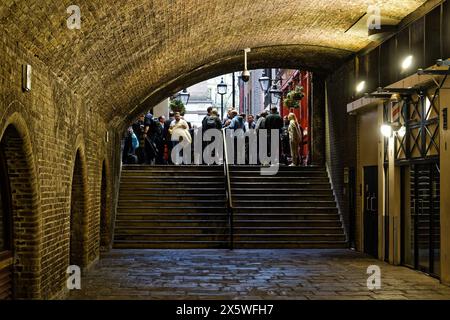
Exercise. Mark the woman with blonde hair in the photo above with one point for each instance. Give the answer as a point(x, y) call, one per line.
point(295, 138)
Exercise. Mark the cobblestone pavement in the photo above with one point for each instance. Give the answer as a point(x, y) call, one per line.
point(249, 274)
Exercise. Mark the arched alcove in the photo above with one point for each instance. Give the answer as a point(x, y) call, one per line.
point(19, 224)
point(78, 225)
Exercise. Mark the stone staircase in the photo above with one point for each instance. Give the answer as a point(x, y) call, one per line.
point(185, 207)
point(171, 207)
point(293, 209)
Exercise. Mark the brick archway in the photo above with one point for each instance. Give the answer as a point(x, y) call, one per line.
point(24, 208)
point(78, 212)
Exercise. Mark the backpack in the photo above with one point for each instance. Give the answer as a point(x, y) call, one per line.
point(134, 141)
point(211, 123)
point(240, 123)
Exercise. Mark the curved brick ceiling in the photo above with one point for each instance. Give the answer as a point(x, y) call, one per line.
point(139, 51)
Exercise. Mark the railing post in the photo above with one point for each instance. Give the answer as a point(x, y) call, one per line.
point(229, 199)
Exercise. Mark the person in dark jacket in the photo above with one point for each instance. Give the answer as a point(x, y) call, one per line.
point(139, 131)
point(167, 136)
point(273, 122)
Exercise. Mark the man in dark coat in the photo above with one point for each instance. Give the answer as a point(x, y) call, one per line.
point(139, 130)
point(273, 122)
point(167, 136)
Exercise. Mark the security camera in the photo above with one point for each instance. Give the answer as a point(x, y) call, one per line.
point(245, 76)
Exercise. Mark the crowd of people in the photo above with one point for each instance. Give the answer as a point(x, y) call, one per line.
point(150, 140)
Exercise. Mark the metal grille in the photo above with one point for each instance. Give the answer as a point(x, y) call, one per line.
point(420, 116)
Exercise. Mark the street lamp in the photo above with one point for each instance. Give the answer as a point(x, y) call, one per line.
point(222, 90)
point(264, 81)
point(184, 96)
point(275, 94)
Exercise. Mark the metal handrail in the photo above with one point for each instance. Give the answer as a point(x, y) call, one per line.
point(226, 173)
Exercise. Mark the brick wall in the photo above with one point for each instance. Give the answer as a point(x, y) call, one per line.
point(341, 133)
point(52, 122)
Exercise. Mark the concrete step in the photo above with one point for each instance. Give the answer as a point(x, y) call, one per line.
point(178, 203)
point(284, 210)
point(178, 179)
point(170, 197)
point(290, 244)
point(169, 191)
point(288, 223)
point(268, 204)
point(272, 185)
point(171, 183)
point(236, 191)
point(284, 197)
point(277, 179)
point(215, 235)
point(225, 245)
point(236, 168)
point(174, 217)
point(152, 168)
point(172, 230)
point(171, 209)
point(291, 230)
point(120, 224)
point(257, 173)
point(171, 172)
point(187, 244)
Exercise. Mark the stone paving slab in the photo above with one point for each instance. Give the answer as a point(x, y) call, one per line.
point(250, 275)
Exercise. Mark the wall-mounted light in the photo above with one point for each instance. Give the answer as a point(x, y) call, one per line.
point(407, 62)
point(386, 130)
point(361, 86)
point(26, 77)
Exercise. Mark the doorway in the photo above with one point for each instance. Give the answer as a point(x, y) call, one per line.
point(77, 215)
point(6, 249)
point(371, 210)
point(422, 218)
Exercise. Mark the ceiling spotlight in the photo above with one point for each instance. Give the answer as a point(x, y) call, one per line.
point(407, 62)
point(361, 86)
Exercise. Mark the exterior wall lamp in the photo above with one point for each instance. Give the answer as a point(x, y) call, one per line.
point(388, 129)
point(407, 62)
point(360, 86)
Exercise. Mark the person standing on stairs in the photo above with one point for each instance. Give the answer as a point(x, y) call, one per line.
point(139, 130)
point(179, 131)
point(295, 138)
